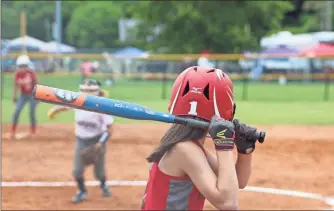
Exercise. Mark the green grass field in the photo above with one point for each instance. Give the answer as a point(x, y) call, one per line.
point(268, 103)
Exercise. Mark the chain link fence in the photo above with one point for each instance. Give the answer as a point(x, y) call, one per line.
point(255, 78)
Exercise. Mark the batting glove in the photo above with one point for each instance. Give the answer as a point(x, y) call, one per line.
point(245, 137)
point(222, 133)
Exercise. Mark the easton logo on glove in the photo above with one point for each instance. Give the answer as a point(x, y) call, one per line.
point(223, 144)
point(221, 134)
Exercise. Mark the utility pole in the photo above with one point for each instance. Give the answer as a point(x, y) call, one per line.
point(329, 15)
point(58, 25)
point(23, 31)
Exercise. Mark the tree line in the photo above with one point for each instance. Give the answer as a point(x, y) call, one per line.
point(164, 26)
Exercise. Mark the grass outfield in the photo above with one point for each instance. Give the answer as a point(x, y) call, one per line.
point(267, 104)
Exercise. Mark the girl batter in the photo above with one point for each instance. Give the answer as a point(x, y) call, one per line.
point(90, 128)
point(183, 173)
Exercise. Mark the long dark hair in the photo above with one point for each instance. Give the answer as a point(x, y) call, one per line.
point(175, 134)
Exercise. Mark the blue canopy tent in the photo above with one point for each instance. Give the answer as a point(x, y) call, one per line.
point(130, 52)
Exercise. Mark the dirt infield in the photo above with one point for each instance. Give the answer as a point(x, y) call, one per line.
point(297, 158)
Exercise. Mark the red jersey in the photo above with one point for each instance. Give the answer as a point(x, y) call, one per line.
point(86, 68)
point(165, 192)
point(26, 79)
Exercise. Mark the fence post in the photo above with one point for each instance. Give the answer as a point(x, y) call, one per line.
point(327, 85)
point(245, 88)
point(164, 85)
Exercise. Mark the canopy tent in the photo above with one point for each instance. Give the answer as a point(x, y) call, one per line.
point(319, 50)
point(206, 52)
point(130, 52)
point(4, 47)
point(324, 36)
point(281, 49)
point(52, 47)
point(299, 41)
point(28, 41)
point(4, 42)
point(20, 46)
point(277, 63)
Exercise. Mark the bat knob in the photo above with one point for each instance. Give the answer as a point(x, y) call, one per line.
point(260, 136)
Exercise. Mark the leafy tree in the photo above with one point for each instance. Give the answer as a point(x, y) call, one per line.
point(305, 16)
point(10, 21)
point(94, 24)
point(165, 26)
point(40, 17)
point(221, 26)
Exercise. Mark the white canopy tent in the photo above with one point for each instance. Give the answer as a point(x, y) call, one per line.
point(52, 47)
point(324, 36)
point(298, 41)
point(28, 41)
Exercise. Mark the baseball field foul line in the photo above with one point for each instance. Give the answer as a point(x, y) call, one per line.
point(328, 200)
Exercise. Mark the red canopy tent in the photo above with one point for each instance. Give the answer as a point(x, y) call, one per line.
point(206, 52)
point(319, 50)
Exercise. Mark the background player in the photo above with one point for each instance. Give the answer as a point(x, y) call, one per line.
point(25, 79)
point(183, 173)
point(86, 69)
point(90, 128)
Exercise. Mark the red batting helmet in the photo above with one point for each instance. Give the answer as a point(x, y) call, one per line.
point(202, 92)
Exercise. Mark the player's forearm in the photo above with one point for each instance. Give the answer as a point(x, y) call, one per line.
point(243, 168)
point(62, 108)
point(212, 160)
point(227, 183)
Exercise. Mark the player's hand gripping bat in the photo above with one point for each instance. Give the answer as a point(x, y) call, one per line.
point(123, 109)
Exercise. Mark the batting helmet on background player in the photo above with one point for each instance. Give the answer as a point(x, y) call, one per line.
point(93, 86)
point(202, 92)
point(23, 60)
